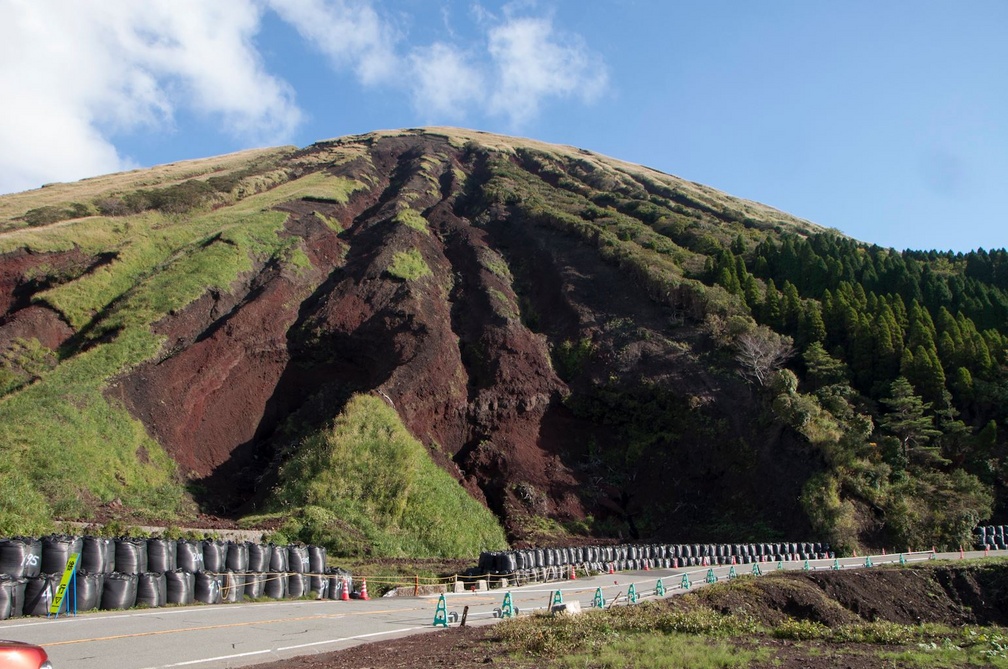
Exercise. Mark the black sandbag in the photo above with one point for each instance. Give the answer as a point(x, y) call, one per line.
point(189, 555)
point(278, 559)
point(6, 596)
point(297, 559)
point(21, 557)
point(232, 586)
point(254, 581)
point(161, 555)
point(335, 585)
point(152, 589)
point(258, 557)
point(237, 557)
point(119, 591)
point(88, 589)
point(180, 586)
point(39, 593)
point(56, 552)
point(130, 556)
point(318, 584)
point(214, 556)
point(97, 555)
point(296, 585)
point(317, 559)
point(275, 586)
point(12, 595)
point(208, 588)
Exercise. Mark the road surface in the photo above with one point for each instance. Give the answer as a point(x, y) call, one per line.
point(238, 635)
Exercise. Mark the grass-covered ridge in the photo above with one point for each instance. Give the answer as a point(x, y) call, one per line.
point(66, 446)
point(366, 486)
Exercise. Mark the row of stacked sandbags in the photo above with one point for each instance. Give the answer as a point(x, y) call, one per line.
point(524, 562)
point(126, 572)
point(994, 537)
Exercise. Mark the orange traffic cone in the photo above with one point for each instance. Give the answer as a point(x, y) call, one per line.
point(646, 568)
point(962, 554)
point(345, 594)
point(855, 552)
point(675, 563)
point(733, 559)
point(573, 574)
point(612, 569)
point(986, 551)
point(363, 590)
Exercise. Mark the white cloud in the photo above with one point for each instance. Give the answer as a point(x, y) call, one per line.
point(76, 73)
point(534, 62)
point(443, 82)
point(514, 66)
point(351, 34)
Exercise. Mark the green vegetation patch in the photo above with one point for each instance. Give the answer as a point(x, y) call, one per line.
point(408, 265)
point(66, 448)
point(366, 486)
point(413, 219)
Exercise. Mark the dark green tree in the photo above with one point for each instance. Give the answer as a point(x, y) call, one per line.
point(907, 419)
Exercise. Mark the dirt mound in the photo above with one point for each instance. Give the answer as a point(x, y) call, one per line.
point(949, 595)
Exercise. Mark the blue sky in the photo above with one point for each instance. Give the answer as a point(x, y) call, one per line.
point(887, 121)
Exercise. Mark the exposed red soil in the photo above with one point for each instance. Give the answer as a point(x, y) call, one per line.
point(463, 355)
point(22, 275)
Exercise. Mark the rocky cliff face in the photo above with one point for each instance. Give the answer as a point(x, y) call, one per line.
point(531, 321)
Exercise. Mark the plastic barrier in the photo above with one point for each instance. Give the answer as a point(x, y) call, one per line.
point(258, 557)
point(189, 555)
point(547, 563)
point(318, 584)
point(97, 555)
point(214, 556)
point(12, 593)
point(237, 557)
point(119, 591)
point(38, 594)
point(316, 559)
point(296, 585)
point(180, 586)
point(335, 585)
point(254, 584)
point(56, 551)
point(88, 589)
point(21, 557)
point(278, 559)
point(208, 588)
point(297, 559)
point(232, 586)
point(130, 556)
point(275, 586)
point(162, 555)
point(152, 589)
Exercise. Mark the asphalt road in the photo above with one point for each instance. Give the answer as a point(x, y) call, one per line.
point(238, 635)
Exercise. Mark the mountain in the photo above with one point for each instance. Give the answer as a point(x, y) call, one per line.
point(583, 347)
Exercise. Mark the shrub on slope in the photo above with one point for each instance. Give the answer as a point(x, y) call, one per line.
point(366, 486)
